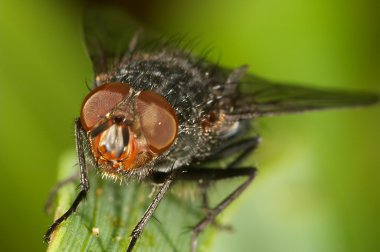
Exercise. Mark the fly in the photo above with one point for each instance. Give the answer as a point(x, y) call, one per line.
point(155, 113)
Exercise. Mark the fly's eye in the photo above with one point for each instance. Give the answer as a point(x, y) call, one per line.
point(101, 101)
point(159, 122)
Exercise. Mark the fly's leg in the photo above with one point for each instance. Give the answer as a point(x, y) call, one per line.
point(209, 174)
point(137, 231)
point(204, 185)
point(249, 146)
point(84, 183)
point(56, 189)
point(245, 146)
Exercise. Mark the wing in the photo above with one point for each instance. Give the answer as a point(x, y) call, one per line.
point(109, 34)
point(259, 97)
point(112, 36)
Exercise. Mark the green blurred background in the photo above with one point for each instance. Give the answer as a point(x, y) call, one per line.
point(318, 188)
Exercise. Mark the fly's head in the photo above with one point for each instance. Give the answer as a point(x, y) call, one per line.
point(127, 129)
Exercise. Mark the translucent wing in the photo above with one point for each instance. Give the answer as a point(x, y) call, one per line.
point(112, 35)
point(109, 36)
point(260, 97)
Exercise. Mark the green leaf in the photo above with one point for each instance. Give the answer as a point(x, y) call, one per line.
point(104, 221)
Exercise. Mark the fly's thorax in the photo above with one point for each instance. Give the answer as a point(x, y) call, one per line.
point(127, 129)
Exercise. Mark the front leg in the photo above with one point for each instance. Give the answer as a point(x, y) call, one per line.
point(84, 183)
point(136, 233)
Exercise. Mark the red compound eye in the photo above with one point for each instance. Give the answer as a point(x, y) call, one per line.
point(159, 122)
point(101, 101)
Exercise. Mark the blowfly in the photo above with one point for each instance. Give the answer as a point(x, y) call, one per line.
point(156, 113)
